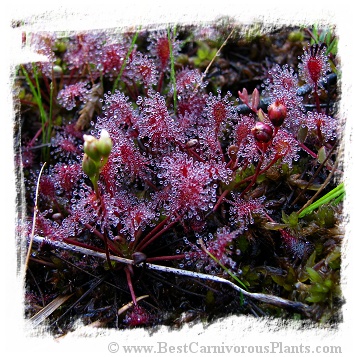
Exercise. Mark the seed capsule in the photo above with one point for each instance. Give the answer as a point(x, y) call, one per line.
point(139, 257)
point(277, 113)
point(262, 132)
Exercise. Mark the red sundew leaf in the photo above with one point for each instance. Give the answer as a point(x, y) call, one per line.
point(255, 99)
point(142, 69)
point(68, 96)
point(298, 247)
point(314, 65)
point(244, 96)
point(47, 186)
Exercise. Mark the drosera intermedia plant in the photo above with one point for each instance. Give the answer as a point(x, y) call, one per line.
point(166, 163)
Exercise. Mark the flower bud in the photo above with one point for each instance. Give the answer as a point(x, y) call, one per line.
point(89, 166)
point(277, 113)
point(90, 147)
point(57, 69)
point(104, 144)
point(262, 132)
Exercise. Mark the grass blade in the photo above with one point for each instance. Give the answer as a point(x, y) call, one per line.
point(221, 265)
point(41, 315)
point(172, 67)
point(125, 60)
point(337, 193)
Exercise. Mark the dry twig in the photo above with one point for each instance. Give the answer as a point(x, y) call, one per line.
point(34, 219)
point(91, 106)
point(268, 299)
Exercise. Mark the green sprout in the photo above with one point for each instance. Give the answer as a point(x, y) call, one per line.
point(205, 54)
point(321, 286)
point(325, 36)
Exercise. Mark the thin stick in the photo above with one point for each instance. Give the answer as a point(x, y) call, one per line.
point(34, 219)
point(81, 250)
point(130, 304)
point(265, 298)
point(214, 57)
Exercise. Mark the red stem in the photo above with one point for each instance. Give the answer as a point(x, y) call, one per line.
point(29, 103)
point(107, 252)
point(102, 237)
point(166, 257)
point(220, 149)
point(71, 75)
point(46, 83)
point(131, 92)
point(255, 176)
point(195, 154)
point(30, 144)
point(225, 192)
point(230, 162)
point(130, 285)
point(151, 233)
point(105, 239)
point(221, 198)
point(143, 244)
point(151, 184)
point(82, 245)
point(316, 99)
point(160, 83)
point(308, 151)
